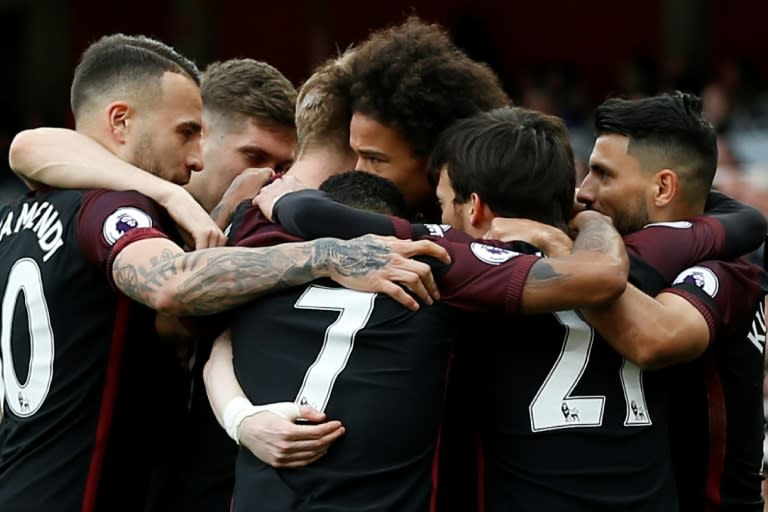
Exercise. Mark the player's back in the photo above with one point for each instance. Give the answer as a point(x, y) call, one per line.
point(62, 334)
point(361, 358)
point(573, 426)
point(717, 412)
point(388, 391)
point(570, 425)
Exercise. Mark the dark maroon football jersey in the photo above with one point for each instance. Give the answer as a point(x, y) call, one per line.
point(594, 433)
point(717, 413)
point(571, 425)
point(367, 360)
point(77, 395)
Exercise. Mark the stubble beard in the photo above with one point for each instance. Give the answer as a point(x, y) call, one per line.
point(632, 219)
point(144, 157)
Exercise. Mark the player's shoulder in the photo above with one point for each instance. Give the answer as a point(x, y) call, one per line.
point(114, 198)
point(107, 215)
point(735, 280)
point(245, 219)
point(251, 228)
point(663, 232)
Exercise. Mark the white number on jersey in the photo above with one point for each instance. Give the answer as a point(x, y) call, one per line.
point(355, 309)
point(554, 407)
point(24, 399)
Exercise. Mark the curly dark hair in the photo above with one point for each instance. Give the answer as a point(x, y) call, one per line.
point(413, 78)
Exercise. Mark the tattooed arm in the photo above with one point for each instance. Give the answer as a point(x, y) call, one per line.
point(158, 273)
point(651, 332)
point(595, 271)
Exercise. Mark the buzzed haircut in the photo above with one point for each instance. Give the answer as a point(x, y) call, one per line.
point(365, 191)
point(413, 78)
point(249, 88)
point(666, 131)
point(130, 65)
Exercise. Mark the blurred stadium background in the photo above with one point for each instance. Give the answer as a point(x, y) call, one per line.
point(560, 56)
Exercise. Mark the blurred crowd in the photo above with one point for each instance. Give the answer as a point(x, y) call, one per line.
point(735, 100)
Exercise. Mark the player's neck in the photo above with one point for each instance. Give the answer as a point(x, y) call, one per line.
point(313, 168)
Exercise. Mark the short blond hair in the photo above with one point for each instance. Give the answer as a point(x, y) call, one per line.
point(324, 107)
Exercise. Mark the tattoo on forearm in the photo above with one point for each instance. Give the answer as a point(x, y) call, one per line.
point(352, 258)
point(213, 280)
point(597, 236)
point(543, 274)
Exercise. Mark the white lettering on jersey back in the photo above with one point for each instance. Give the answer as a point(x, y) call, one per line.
point(756, 334)
point(43, 220)
point(122, 221)
point(437, 229)
point(491, 254)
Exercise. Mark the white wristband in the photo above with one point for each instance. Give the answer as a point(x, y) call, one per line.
point(240, 408)
point(232, 411)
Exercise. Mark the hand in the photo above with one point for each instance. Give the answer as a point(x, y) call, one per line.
point(269, 195)
point(198, 229)
point(551, 240)
point(581, 219)
point(281, 443)
point(246, 185)
point(381, 264)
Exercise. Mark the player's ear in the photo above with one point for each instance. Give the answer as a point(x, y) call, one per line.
point(666, 183)
point(118, 116)
point(478, 211)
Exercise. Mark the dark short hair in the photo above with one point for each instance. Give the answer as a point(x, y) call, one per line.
point(669, 128)
point(366, 191)
point(131, 63)
point(519, 161)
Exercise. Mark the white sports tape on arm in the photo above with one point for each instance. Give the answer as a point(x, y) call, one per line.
point(240, 408)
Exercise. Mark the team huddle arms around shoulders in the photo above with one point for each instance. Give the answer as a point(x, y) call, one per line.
point(384, 290)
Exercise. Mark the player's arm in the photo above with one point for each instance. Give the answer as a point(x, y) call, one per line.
point(269, 432)
point(743, 229)
point(64, 158)
point(551, 240)
point(596, 270)
point(311, 214)
point(732, 230)
point(745, 226)
point(158, 273)
point(652, 332)
point(668, 330)
point(221, 385)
